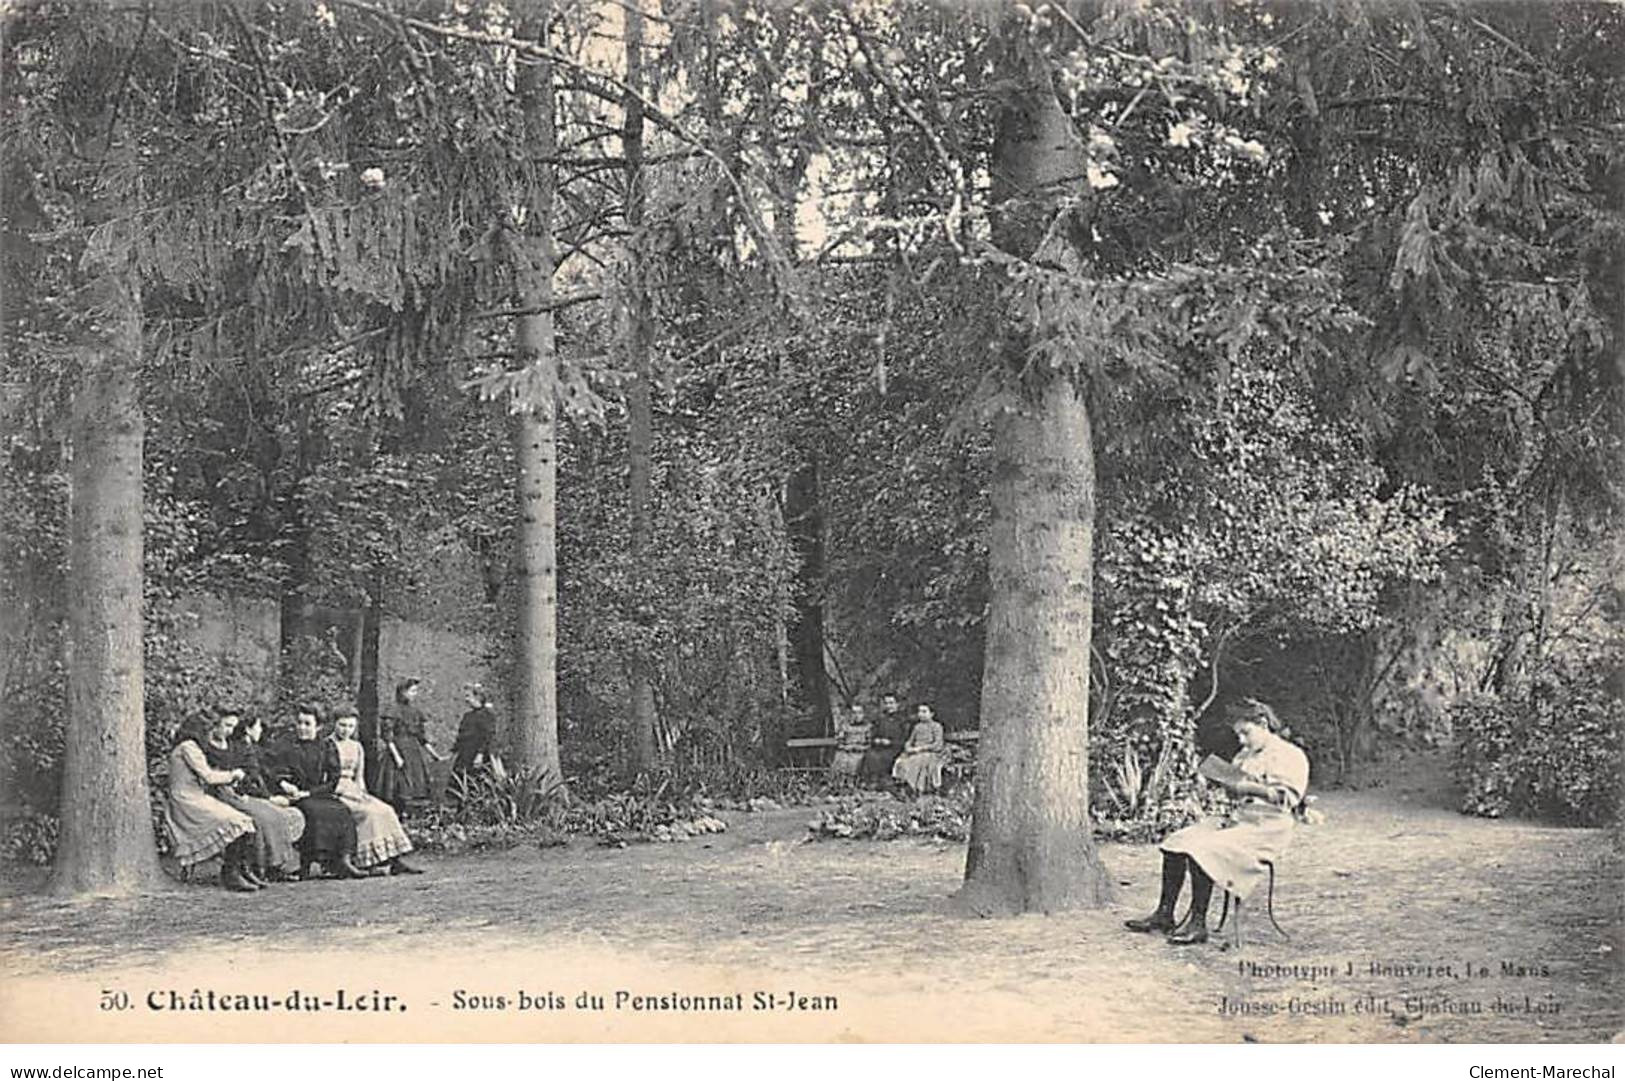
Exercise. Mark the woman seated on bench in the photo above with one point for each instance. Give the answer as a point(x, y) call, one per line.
point(1233, 850)
point(380, 840)
point(924, 755)
point(851, 743)
point(202, 827)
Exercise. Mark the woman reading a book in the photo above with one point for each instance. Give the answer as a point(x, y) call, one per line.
point(1269, 778)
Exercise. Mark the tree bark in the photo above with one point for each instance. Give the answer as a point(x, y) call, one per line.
point(803, 509)
point(535, 737)
point(106, 841)
point(369, 700)
point(804, 517)
point(640, 418)
point(1031, 845)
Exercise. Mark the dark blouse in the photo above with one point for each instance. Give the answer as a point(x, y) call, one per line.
point(894, 727)
point(312, 765)
point(412, 722)
point(241, 754)
point(475, 732)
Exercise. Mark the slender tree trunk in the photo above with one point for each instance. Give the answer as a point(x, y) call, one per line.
point(535, 738)
point(804, 517)
point(106, 844)
point(294, 602)
point(368, 697)
point(1031, 845)
point(803, 510)
point(645, 747)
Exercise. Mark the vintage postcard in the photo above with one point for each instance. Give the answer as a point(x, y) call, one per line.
point(738, 521)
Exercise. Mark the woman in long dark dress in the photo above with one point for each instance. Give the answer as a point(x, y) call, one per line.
point(886, 742)
point(475, 732)
point(404, 746)
point(277, 826)
point(308, 773)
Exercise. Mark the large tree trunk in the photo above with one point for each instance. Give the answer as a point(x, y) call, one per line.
point(106, 843)
point(535, 737)
point(1031, 846)
point(640, 414)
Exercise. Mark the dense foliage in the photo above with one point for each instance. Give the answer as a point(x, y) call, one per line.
point(1348, 318)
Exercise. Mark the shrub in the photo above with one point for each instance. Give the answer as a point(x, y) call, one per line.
point(854, 818)
point(486, 810)
point(1557, 755)
point(31, 838)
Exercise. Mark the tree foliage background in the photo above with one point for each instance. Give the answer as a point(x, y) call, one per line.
point(1350, 327)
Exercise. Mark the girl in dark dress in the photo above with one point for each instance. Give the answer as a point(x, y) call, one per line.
point(474, 733)
point(404, 746)
point(307, 772)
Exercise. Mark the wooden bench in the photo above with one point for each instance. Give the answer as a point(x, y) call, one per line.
point(811, 750)
point(814, 752)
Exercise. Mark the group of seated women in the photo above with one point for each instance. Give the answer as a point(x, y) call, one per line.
point(913, 755)
point(276, 814)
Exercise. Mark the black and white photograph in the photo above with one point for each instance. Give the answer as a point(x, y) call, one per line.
point(813, 522)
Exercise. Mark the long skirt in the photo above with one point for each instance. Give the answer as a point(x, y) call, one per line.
point(877, 763)
point(276, 829)
point(846, 763)
point(920, 770)
point(412, 778)
point(379, 837)
point(329, 831)
point(1232, 850)
point(201, 827)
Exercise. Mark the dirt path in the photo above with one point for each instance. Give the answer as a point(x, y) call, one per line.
point(1455, 914)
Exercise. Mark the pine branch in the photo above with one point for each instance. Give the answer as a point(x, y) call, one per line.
point(615, 91)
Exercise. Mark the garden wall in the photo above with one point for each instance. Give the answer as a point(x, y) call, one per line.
point(245, 633)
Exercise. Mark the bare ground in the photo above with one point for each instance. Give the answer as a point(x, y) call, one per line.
point(1523, 915)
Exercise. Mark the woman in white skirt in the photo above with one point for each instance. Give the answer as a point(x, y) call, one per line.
point(201, 827)
point(380, 840)
point(1232, 850)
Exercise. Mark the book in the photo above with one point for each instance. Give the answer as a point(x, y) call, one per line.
point(1217, 769)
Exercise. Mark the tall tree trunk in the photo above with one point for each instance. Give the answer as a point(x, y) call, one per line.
point(1031, 846)
point(645, 748)
point(803, 510)
point(804, 517)
point(535, 737)
point(368, 698)
point(294, 600)
point(106, 842)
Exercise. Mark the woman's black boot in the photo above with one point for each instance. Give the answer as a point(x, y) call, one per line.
point(1194, 929)
point(231, 877)
point(1173, 877)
